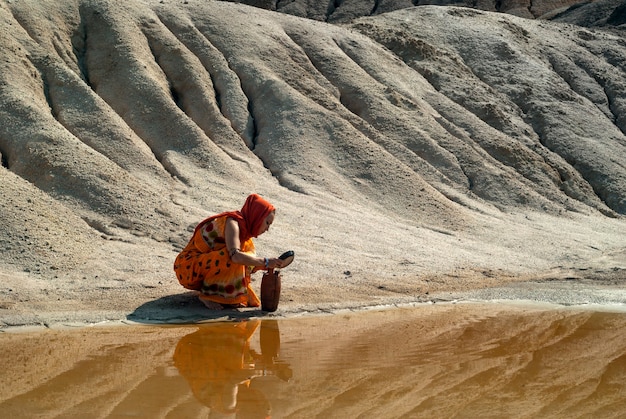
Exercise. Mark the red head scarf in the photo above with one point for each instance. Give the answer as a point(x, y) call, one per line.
point(250, 218)
point(254, 212)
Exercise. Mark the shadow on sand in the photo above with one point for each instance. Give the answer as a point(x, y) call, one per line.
point(186, 308)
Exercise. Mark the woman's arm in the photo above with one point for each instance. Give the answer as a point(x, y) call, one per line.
point(233, 246)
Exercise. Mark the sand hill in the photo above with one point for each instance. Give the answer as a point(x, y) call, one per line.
point(412, 152)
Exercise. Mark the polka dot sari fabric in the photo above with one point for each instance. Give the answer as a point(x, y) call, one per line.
point(204, 265)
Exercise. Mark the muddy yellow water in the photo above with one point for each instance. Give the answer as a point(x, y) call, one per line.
point(441, 361)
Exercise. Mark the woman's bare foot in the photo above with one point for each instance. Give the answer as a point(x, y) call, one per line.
point(211, 305)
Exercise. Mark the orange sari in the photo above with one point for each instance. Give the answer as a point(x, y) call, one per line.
point(205, 265)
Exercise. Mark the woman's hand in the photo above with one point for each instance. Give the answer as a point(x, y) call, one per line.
point(259, 263)
point(275, 263)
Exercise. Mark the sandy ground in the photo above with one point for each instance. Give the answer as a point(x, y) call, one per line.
point(334, 277)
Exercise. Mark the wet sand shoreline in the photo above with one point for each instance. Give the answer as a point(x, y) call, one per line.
point(600, 294)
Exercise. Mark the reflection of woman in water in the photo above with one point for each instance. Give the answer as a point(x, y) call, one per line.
point(220, 256)
point(219, 366)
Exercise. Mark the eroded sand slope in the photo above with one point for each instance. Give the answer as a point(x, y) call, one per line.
point(426, 149)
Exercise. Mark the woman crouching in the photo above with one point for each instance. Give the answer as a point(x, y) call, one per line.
point(220, 256)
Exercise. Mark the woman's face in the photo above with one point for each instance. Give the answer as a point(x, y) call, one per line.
point(265, 225)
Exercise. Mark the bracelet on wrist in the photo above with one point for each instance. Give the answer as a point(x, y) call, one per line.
point(267, 263)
